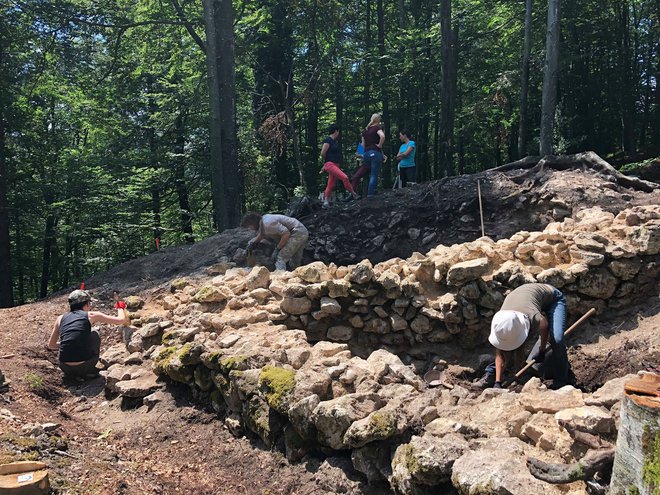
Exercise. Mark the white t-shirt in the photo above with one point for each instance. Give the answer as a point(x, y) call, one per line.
point(275, 226)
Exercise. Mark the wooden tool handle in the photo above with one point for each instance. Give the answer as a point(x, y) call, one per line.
point(589, 313)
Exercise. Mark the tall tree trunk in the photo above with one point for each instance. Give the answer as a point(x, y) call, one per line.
point(220, 202)
point(227, 86)
point(524, 82)
point(313, 107)
point(448, 62)
point(19, 258)
point(368, 107)
point(156, 226)
point(626, 61)
point(550, 75)
point(402, 109)
point(49, 243)
point(185, 215)
point(225, 179)
point(287, 89)
point(6, 297)
point(380, 20)
point(436, 146)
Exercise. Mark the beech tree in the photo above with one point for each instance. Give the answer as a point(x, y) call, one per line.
point(550, 76)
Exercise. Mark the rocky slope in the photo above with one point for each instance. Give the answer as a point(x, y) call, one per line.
point(326, 364)
point(328, 358)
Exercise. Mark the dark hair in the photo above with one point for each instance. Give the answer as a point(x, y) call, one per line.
point(405, 132)
point(251, 219)
point(77, 306)
point(333, 128)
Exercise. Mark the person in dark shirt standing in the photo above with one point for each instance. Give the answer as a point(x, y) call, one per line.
point(331, 156)
point(79, 344)
point(373, 138)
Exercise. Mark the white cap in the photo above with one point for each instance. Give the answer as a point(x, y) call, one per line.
point(508, 330)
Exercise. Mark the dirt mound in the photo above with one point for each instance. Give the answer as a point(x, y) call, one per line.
point(514, 198)
point(523, 196)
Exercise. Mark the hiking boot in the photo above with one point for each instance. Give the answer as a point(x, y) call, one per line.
point(486, 381)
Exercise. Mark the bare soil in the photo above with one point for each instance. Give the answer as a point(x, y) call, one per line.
point(179, 446)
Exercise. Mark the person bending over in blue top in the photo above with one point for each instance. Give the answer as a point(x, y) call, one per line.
point(406, 159)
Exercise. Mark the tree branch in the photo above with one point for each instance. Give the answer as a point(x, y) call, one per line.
point(189, 27)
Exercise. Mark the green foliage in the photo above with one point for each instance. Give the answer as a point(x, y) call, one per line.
point(34, 382)
point(107, 112)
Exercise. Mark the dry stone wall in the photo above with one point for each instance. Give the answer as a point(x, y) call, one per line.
point(598, 260)
point(305, 360)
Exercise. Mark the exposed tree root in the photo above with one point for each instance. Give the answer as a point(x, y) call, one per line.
point(593, 462)
point(586, 159)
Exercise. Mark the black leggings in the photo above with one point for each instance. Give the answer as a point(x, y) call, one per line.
point(407, 174)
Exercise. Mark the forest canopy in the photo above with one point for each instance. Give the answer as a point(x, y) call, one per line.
point(131, 125)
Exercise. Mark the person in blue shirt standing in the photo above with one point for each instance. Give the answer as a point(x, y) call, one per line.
point(406, 159)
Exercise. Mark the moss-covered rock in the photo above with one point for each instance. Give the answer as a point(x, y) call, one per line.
point(277, 384)
point(179, 362)
point(379, 425)
point(211, 294)
point(212, 359)
point(262, 420)
point(233, 363)
point(179, 284)
point(134, 302)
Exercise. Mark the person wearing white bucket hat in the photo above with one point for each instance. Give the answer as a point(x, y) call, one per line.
point(529, 308)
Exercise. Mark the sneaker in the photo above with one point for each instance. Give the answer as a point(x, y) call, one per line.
point(325, 205)
point(486, 381)
point(355, 195)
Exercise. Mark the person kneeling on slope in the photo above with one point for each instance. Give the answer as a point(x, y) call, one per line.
point(80, 344)
point(530, 307)
point(289, 234)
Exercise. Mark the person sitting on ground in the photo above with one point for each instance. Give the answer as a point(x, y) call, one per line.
point(80, 344)
point(530, 307)
point(406, 159)
point(331, 156)
point(289, 234)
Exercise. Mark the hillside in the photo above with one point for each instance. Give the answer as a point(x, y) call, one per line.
point(107, 441)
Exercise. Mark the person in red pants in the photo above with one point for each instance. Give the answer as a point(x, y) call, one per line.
point(331, 156)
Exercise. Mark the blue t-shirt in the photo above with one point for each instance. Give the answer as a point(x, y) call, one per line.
point(408, 161)
point(360, 149)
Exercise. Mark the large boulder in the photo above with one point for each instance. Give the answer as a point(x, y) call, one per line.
point(259, 278)
point(296, 305)
point(332, 418)
point(426, 461)
point(466, 271)
point(498, 467)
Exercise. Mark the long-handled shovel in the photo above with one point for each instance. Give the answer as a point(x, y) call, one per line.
point(567, 332)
